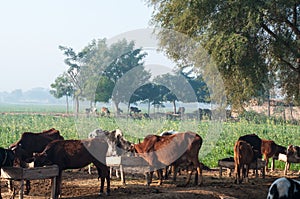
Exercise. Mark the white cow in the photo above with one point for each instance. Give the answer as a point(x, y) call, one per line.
point(284, 188)
point(117, 144)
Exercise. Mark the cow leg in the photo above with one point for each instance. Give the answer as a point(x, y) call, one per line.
point(246, 171)
point(237, 173)
point(58, 185)
point(190, 172)
point(28, 187)
point(102, 181)
point(256, 169)
point(174, 171)
point(90, 169)
point(103, 173)
point(273, 164)
point(198, 173)
point(149, 176)
point(107, 185)
point(110, 171)
point(160, 176)
point(117, 173)
point(10, 185)
point(266, 166)
point(166, 172)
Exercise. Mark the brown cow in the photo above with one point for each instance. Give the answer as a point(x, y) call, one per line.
point(180, 149)
point(270, 149)
point(243, 156)
point(30, 143)
point(104, 111)
point(75, 154)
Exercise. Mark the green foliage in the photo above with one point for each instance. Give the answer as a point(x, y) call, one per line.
point(248, 40)
point(13, 125)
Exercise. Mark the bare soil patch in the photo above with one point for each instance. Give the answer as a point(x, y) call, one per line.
point(80, 185)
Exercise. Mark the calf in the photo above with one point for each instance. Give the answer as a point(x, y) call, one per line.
point(270, 149)
point(292, 156)
point(175, 150)
point(284, 188)
point(243, 156)
point(75, 154)
point(255, 143)
point(6, 160)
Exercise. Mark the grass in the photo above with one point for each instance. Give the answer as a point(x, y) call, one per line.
point(218, 138)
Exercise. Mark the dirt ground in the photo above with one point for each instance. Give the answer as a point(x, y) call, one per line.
point(81, 185)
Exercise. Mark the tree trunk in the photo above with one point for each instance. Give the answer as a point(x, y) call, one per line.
point(67, 101)
point(148, 107)
point(116, 104)
point(77, 105)
point(174, 105)
point(269, 104)
point(291, 111)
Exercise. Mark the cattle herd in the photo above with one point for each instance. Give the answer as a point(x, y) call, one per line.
point(170, 149)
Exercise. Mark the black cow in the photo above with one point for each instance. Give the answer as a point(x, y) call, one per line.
point(134, 110)
point(7, 157)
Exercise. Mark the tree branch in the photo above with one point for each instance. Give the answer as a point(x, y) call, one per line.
point(266, 28)
point(293, 27)
point(289, 65)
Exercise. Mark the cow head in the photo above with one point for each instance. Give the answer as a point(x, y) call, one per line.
point(121, 143)
point(118, 145)
point(21, 154)
point(41, 159)
point(293, 150)
point(7, 157)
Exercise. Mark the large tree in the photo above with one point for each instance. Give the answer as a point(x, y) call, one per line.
point(246, 39)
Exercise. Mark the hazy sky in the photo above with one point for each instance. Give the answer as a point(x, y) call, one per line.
point(32, 30)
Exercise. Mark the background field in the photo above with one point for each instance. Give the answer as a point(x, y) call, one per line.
point(218, 138)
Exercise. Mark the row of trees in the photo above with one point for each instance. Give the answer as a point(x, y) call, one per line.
point(100, 73)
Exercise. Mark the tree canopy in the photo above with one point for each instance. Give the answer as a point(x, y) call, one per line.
point(248, 40)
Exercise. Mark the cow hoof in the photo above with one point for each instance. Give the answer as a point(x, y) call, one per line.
point(107, 193)
point(199, 184)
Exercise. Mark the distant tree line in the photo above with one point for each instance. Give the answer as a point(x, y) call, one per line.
point(34, 95)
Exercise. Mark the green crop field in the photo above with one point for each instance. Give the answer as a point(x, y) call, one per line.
point(218, 138)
